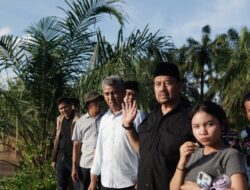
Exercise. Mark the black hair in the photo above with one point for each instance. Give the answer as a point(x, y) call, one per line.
point(168, 69)
point(75, 101)
point(245, 99)
point(132, 85)
point(212, 109)
point(63, 100)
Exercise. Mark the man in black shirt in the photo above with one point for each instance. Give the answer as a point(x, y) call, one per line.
point(62, 152)
point(162, 132)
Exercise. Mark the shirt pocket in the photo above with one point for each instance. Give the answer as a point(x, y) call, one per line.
point(145, 137)
point(169, 144)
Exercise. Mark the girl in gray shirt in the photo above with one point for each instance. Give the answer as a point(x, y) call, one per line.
point(198, 168)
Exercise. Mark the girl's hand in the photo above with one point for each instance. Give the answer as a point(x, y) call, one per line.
point(185, 151)
point(189, 185)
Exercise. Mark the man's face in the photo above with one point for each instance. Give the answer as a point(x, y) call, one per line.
point(76, 108)
point(94, 107)
point(247, 109)
point(130, 96)
point(167, 89)
point(65, 109)
point(113, 96)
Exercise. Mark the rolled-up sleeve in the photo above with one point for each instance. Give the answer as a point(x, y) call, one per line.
point(138, 119)
point(76, 136)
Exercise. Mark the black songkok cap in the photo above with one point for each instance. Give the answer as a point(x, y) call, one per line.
point(132, 85)
point(167, 69)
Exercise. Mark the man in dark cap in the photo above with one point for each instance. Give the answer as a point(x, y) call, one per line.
point(131, 95)
point(162, 132)
point(76, 106)
point(132, 89)
point(85, 137)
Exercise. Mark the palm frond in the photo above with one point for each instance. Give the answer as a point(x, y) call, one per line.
point(11, 55)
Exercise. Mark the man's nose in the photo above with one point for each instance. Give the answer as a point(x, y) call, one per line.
point(111, 96)
point(162, 86)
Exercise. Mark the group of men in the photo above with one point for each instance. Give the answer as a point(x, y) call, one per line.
point(125, 148)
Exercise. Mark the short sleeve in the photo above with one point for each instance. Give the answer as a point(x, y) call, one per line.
point(76, 136)
point(234, 163)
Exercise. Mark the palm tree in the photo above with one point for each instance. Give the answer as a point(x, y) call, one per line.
point(132, 58)
point(233, 52)
point(52, 56)
point(196, 63)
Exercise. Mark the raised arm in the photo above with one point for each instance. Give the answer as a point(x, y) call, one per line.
point(129, 111)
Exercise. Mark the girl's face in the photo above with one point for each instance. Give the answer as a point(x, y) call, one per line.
point(247, 109)
point(206, 129)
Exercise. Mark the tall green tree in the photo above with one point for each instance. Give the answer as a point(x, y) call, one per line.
point(195, 60)
point(132, 58)
point(233, 54)
point(52, 56)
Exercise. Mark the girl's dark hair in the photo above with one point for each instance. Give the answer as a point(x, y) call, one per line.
point(246, 99)
point(212, 109)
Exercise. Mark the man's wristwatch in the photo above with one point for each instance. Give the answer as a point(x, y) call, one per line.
point(129, 127)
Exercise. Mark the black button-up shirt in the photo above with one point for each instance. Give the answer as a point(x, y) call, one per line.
point(160, 138)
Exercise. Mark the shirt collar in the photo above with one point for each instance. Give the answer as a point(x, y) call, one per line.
point(88, 116)
point(182, 104)
point(117, 113)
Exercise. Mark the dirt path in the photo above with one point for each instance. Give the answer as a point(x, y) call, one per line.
point(6, 168)
point(8, 161)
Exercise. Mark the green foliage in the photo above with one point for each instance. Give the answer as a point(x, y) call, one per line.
point(47, 62)
point(221, 68)
point(60, 56)
point(132, 58)
point(233, 52)
point(34, 173)
point(30, 177)
point(196, 64)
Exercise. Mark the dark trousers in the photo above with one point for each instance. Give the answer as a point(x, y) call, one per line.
point(127, 188)
point(63, 174)
point(84, 177)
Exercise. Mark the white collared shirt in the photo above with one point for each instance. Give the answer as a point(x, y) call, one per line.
point(114, 158)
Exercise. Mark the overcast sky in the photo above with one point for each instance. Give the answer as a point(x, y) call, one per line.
point(179, 19)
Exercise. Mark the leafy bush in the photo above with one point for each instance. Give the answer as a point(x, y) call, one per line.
point(30, 178)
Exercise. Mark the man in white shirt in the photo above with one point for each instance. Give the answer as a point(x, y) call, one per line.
point(85, 137)
point(114, 159)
